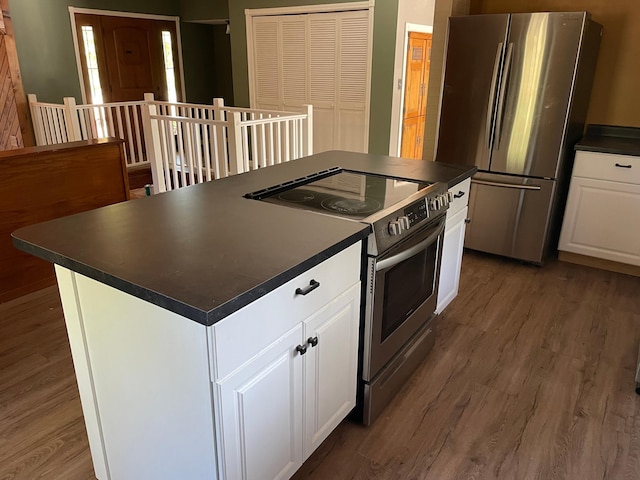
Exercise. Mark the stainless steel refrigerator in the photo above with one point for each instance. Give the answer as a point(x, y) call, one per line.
point(515, 96)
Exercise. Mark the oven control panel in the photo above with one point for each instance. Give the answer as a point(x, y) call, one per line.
point(414, 213)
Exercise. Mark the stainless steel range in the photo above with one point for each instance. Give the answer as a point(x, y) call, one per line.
point(403, 265)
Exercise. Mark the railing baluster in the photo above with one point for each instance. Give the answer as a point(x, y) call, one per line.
point(287, 152)
point(279, 141)
point(206, 144)
point(129, 141)
point(138, 135)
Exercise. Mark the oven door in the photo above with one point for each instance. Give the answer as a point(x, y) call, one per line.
point(401, 294)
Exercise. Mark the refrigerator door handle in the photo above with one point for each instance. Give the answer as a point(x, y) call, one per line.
point(506, 185)
point(503, 88)
point(492, 96)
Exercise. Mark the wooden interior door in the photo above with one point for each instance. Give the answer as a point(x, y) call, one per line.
point(415, 94)
point(130, 57)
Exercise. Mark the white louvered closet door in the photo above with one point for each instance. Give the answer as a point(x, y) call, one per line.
point(267, 77)
point(323, 59)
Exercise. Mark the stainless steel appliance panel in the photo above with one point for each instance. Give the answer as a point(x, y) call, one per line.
point(536, 89)
point(401, 295)
point(510, 215)
point(474, 58)
point(378, 393)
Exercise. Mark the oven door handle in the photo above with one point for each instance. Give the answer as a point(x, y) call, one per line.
point(412, 251)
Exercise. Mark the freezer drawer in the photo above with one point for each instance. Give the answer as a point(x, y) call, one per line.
point(510, 216)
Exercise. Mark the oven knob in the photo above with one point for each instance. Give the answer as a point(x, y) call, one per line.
point(404, 222)
point(435, 204)
point(450, 197)
point(444, 200)
point(395, 228)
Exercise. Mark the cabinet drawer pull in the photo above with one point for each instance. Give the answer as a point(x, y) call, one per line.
point(312, 286)
point(621, 165)
point(467, 221)
point(460, 194)
point(301, 349)
point(313, 341)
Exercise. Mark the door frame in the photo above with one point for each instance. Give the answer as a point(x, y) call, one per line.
point(396, 134)
point(250, 13)
point(113, 13)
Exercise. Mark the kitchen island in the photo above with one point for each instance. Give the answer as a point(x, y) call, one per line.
point(182, 320)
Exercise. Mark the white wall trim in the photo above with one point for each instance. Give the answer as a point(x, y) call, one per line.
point(327, 7)
point(113, 13)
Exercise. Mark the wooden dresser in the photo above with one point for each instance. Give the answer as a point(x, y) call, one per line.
point(43, 183)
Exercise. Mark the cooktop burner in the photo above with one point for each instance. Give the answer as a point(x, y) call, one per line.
point(351, 206)
point(298, 195)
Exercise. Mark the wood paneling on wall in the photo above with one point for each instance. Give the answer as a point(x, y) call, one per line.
point(615, 97)
point(15, 126)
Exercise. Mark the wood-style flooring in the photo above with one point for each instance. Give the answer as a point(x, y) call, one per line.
point(532, 377)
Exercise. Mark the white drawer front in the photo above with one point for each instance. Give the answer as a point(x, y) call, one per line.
point(607, 166)
point(461, 197)
point(245, 333)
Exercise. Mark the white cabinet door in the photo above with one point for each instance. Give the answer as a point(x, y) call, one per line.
point(451, 259)
point(330, 366)
point(260, 412)
point(601, 220)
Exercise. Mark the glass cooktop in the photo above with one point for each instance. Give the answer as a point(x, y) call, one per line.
point(340, 192)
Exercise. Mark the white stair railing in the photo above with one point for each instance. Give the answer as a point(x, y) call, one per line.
point(183, 143)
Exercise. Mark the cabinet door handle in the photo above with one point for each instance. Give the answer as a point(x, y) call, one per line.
point(467, 221)
point(313, 341)
point(312, 286)
point(460, 194)
point(621, 165)
point(301, 349)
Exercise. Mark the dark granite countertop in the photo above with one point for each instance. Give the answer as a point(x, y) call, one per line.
point(610, 139)
point(205, 251)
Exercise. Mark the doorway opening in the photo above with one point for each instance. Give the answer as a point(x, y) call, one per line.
point(413, 105)
point(122, 56)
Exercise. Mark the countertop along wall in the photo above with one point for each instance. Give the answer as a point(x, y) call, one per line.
point(615, 98)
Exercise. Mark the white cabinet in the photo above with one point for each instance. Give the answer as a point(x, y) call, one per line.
point(330, 367)
point(260, 407)
point(453, 245)
point(251, 397)
point(280, 390)
point(603, 208)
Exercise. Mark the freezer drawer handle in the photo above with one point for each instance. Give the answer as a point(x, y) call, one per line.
point(492, 96)
point(507, 185)
point(460, 194)
point(623, 166)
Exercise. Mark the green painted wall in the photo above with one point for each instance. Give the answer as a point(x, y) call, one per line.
point(384, 40)
point(212, 78)
point(196, 10)
point(45, 45)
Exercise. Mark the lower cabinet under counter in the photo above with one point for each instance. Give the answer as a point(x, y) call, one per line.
point(453, 245)
point(600, 226)
point(250, 397)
